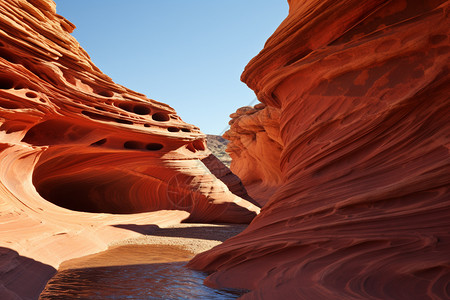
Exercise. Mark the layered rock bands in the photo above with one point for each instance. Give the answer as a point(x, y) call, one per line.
point(76, 149)
point(361, 208)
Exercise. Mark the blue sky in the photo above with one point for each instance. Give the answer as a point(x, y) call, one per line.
point(187, 53)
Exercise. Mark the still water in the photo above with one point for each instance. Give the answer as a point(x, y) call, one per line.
point(132, 272)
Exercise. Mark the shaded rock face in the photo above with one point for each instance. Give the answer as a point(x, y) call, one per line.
point(75, 147)
point(363, 208)
point(255, 148)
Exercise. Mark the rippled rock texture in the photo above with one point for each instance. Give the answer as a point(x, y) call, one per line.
point(76, 148)
point(255, 148)
point(363, 208)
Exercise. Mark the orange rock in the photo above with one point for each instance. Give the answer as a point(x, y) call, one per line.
point(363, 208)
point(255, 148)
point(76, 148)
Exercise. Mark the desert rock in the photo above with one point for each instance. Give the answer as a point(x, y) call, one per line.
point(363, 209)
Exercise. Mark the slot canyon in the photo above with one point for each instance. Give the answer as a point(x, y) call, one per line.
point(342, 171)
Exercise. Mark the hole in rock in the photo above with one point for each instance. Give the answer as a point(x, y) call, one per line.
point(126, 106)
point(154, 146)
point(190, 147)
point(141, 109)
point(31, 95)
point(199, 145)
point(55, 132)
point(173, 129)
point(99, 108)
point(124, 121)
point(146, 125)
point(85, 190)
point(106, 93)
point(42, 100)
point(160, 117)
point(6, 83)
point(99, 117)
point(99, 142)
point(133, 145)
point(8, 104)
point(185, 130)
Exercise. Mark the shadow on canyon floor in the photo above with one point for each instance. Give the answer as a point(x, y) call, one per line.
point(22, 277)
point(220, 232)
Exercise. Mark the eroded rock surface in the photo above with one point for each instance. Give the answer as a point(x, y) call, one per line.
point(255, 148)
point(75, 148)
point(363, 209)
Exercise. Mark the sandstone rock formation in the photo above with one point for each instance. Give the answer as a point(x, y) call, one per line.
point(363, 209)
point(255, 148)
point(75, 148)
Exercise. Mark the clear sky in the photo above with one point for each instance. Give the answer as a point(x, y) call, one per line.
point(186, 53)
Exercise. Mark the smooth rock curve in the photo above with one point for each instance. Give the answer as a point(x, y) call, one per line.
point(80, 154)
point(363, 210)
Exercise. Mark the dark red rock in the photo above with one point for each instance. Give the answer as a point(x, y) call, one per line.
point(363, 209)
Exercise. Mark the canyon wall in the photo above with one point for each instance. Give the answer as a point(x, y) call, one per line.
point(82, 158)
point(362, 211)
point(255, 148)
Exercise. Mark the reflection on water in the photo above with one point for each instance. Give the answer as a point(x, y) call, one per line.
point(161, 280)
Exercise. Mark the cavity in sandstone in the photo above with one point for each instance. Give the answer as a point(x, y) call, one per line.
point(76, 148)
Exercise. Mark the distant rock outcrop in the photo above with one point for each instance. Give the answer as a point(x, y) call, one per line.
point(218, 145)
point(75, 148)
point(362, 211)
point(255, 148)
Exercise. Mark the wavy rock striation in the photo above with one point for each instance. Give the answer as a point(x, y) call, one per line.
point(255, 148)
point(75, 148)
point(363, 209)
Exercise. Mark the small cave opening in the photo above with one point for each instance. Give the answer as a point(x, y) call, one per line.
point(31, 95)
point(127, 106)
point(173, 129)
point(99, 143)
point(191, 147)
point(133, 145)
point(121, 121)
point(154, 146)
point(55, 132)
point(107, 94)
point(199, 145)
point(160, 117)
point(185, 130)
point(141, 109)
point(98, 117)
point(86, 191)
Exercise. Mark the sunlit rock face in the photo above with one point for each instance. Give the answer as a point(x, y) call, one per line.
point(255, 148)
point(75, 148)
point(363, 209)
point(104, 148)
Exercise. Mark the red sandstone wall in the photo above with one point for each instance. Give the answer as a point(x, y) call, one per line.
point(363, 211)
point(76, 148)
